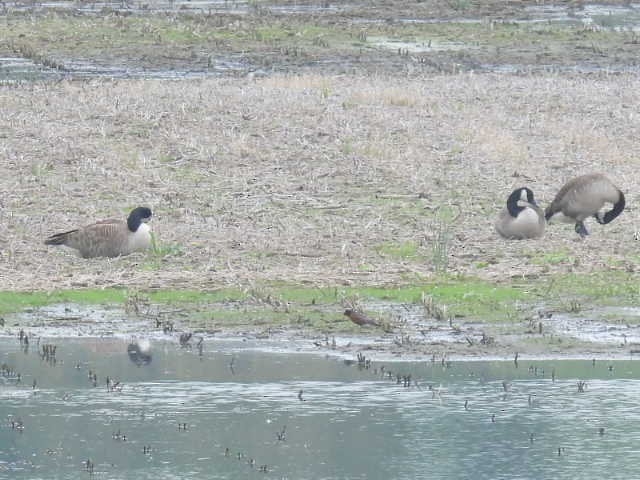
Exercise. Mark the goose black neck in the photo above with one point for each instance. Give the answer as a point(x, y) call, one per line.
point(136, 216)
point(614, 212)
point(512, 203)
point(548, 213)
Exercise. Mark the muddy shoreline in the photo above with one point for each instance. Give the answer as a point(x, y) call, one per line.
point(412, 338)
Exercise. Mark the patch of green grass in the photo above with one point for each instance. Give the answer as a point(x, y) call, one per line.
point(158, 252)
point(365, 267)
point(596, 288)
point(408, 249)
point(552, 258)
point(466, 297)
point(271, 33)
point(299, 295)
point(186, 297)
point(42, 169)
point(163, 250)
point(613, 262)
point(481, 300)
point(346, 147)
point(462, 296)
point(265, 316)
point(459, 5)
point(321, 307)
point(16, 301)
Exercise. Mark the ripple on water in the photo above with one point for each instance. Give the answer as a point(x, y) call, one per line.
point(346, 423)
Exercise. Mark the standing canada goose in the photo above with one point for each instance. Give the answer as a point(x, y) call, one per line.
point(108, 238)
point(522, 218)
point(583, 197)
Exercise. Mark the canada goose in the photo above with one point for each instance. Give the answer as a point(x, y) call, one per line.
point(522, 218)
point(583, 197)
point(108, 238)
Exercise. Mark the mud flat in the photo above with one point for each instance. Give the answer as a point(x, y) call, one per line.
point(612, 333)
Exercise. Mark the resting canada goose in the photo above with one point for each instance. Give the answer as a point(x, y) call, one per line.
point(108, 238)
point(522, 218)
point(583, 197)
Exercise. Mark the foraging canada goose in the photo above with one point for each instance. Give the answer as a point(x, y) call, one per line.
point(108, 238)
point(583, 197)
point(522, 218)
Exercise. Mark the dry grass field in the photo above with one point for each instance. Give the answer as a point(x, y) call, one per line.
point(311, 179)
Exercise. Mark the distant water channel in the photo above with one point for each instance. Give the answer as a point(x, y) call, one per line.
point(232, 412)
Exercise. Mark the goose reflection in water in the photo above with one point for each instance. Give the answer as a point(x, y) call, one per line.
point(140, 352)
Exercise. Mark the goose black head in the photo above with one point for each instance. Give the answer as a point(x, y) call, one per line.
point(137, 216)
point(523, 194)
point(605, 217)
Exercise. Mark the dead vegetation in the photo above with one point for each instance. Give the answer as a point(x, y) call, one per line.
point(302, 179)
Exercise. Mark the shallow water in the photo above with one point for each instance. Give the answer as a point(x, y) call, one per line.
point(15, 69)
point(350, 422)
point(138, 7)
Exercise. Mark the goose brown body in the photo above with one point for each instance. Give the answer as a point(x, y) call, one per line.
point(586, 196)
point(108, 238)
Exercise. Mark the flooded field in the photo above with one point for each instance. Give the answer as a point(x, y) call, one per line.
point(199, 39)
point(104, 409)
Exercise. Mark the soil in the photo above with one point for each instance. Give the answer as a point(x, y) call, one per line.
point(312, 179)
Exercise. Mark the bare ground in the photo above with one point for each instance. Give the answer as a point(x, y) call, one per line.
point(311, 179)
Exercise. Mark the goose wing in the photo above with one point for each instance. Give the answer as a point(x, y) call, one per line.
point(583, 196)
point(105, 221)
point(106, 238)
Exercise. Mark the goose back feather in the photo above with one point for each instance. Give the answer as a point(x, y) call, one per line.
point(585, 196)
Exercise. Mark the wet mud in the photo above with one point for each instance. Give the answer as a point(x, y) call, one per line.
point(224, 38)
point(604, 333)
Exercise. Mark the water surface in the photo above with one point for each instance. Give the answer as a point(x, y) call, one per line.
point(228, 412)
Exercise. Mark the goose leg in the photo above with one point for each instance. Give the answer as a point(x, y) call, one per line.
point(581, 229)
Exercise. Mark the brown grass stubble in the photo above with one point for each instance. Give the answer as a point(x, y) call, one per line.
point(300, 178)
